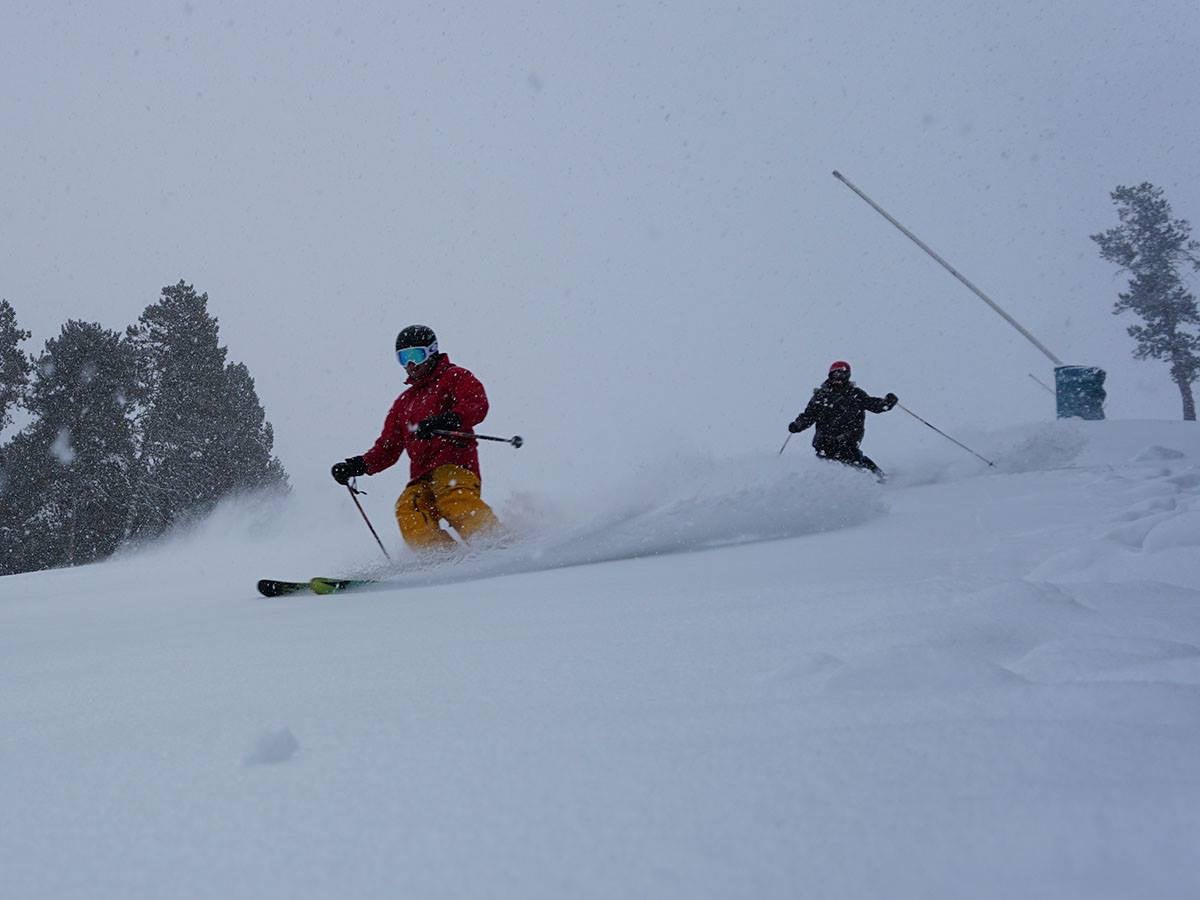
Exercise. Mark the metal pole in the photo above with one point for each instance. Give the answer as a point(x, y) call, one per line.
point(949, 268)
point(1045, 386)
point(785, 443)
point(354, 492)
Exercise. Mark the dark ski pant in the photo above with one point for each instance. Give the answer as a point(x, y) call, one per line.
point(850, 455)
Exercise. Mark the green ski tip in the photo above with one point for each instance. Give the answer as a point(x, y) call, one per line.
point(335, 585)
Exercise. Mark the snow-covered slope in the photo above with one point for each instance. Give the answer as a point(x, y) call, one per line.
point(969, 682)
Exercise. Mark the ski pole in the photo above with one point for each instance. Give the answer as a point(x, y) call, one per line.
point(354, 492)
point(946, 436)
point(516, 440)
point(785, 443)
point(1045, 386)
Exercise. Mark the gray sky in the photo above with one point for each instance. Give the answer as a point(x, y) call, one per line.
point(620, 216)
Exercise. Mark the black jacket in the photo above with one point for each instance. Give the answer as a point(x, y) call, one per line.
point(839, 412)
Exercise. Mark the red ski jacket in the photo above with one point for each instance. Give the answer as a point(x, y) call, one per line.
point(444, 389)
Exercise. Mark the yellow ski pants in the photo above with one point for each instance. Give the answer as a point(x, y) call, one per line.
point(448, 492)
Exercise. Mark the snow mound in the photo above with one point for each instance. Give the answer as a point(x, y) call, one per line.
point(1025, 448)
point(1097, 657)
point(1049, 446)
point(922, 668)
point(965, 646)
point(1182, 530)
point(1157, 533)
point(1156, 453)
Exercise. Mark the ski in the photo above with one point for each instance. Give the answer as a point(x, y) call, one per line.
point(270, 587)
point(334, 585)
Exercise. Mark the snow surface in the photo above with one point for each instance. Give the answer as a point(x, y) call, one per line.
point(761, 677)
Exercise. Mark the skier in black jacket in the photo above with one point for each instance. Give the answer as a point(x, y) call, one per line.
point(838, 409)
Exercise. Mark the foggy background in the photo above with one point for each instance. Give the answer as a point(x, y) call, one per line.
point(621, 217)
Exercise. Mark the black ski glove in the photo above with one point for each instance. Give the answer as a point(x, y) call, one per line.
point(795, 427)
point(891, 399)
point(447, 421)
point(353, 467)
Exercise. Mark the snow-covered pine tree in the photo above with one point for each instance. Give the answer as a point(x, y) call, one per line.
point(1155, 249)
point(15, 364)
point(202, 432)
point(247, 437)
point(70, 469)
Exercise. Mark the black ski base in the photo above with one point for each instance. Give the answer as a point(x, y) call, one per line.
point(269, 587)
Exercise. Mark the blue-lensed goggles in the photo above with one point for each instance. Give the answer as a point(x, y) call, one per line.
point(415, 355)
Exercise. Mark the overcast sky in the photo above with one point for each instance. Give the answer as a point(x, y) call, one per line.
point(620, 216)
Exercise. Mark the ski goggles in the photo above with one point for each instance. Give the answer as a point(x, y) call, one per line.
point(415, 355)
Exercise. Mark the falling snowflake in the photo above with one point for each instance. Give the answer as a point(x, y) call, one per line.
point(61, 449)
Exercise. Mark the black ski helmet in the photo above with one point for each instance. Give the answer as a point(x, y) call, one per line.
point(416, 336)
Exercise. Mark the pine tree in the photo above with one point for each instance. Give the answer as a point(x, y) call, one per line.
point(29, 535)
point(128, 436)
point(202, 432)
point(1155, 248)
point(15, 365)
point(74, 462)
point(247, 437)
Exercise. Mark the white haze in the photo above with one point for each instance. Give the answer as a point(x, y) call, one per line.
point(621, 217)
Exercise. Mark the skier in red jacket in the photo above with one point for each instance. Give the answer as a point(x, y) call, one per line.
point(444, 471)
